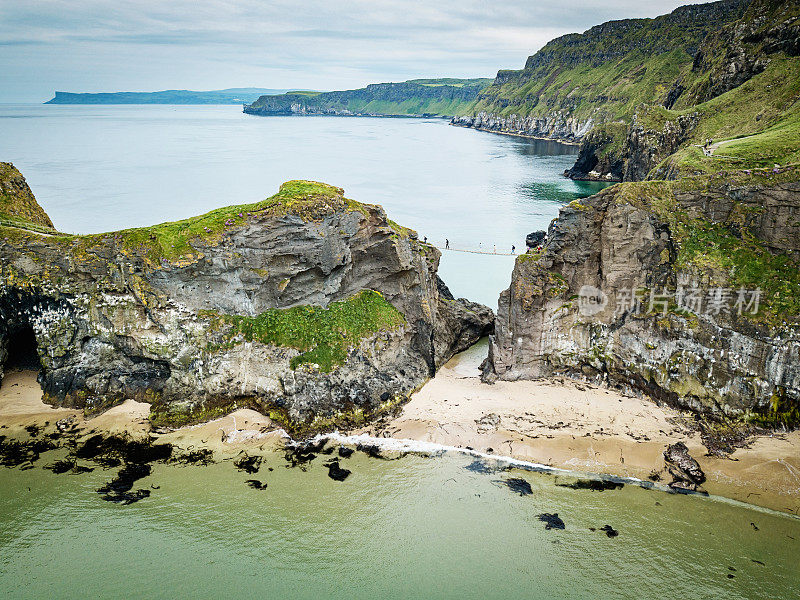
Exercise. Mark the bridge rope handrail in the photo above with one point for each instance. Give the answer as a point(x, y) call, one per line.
point(489, 252)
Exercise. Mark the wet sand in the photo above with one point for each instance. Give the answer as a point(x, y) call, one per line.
point(559, 423)
point(243, 430)
point(565, 424)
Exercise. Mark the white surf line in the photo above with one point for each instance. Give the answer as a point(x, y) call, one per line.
point(433, 449)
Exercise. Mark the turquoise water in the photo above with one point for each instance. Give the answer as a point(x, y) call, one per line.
point(100, 168)
point(410, 528)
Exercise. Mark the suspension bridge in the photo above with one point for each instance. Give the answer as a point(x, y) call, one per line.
point(491, 250)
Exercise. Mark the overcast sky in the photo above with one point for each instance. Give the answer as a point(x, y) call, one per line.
point(104, 45)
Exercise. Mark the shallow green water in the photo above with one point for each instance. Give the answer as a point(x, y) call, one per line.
point(410, 528)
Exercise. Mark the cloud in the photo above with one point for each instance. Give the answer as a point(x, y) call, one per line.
point(102, 45)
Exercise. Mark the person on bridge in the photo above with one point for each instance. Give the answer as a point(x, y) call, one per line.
point(446, 243)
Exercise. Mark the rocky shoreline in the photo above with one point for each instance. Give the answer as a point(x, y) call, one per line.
point(626, 444)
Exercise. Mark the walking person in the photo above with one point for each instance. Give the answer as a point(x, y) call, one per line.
point(513, 248)
point(446, 243)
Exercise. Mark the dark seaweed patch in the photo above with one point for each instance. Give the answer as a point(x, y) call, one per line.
point(595, 485)
point(203, 457)
point(119, 489)
point(336, 472)
point(256, 484)
point(345, 452)
point(248, 464)
point(371, 450)
point(124, 448)
point(14, 453)
point(517, 485)
point(551, 521)
point(483, 466)
point(300, 454)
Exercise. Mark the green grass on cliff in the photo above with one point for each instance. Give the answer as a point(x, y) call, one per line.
point(759, 123)
point(608, 91)
point(179, 239)
point(18, 207)
point(323, 335)
point(726, 254)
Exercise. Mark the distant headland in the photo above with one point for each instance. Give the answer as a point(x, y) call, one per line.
point(227, 96)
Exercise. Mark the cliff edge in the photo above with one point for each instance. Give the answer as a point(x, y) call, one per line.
point(686, 291)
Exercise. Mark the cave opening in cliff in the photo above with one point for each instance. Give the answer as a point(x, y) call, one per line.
point(23, 352)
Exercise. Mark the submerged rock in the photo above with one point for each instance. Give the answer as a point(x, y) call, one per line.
point(610, 531)
point(256, 484)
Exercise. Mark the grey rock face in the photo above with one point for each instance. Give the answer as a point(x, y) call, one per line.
point(686, 472)
point(559, 125)
point(113, 323)
point(712, 363)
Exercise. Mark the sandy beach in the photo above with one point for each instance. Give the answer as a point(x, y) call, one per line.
point(566, 424)
point(559, 423)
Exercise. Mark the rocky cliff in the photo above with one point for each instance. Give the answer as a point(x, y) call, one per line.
point(307, 305)
point(636, 92)
point(579, 81)
point(417, 97)
point(686, 291)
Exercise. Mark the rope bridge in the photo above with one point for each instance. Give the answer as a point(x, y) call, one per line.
point(492, 252)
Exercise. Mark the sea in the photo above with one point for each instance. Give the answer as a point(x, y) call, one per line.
point(440, 524)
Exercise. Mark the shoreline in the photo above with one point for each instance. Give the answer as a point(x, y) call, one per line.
point(571, 425)
point(559, 424)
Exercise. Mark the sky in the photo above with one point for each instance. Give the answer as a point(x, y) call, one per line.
point(149, 45)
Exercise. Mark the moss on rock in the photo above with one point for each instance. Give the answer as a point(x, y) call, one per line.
point(323, 335)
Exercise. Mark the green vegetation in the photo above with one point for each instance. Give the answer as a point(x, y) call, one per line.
point(323, 335)
point(178, 240)
point(166, 415)
point(781, 412)
point(728, 253)
point(430, 97)
point(18, 207)
point(757, 123)
point(608, 71)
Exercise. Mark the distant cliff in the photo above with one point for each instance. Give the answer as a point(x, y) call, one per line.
point(418, 97)
point(308, 306)
point(594, 82)
point(228, 96)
